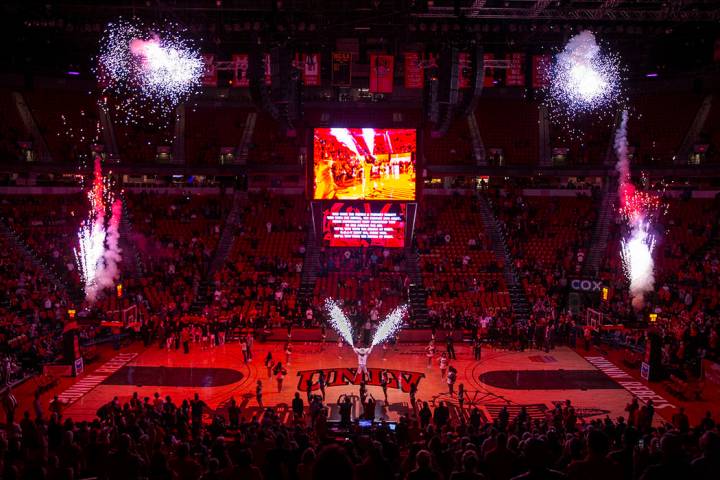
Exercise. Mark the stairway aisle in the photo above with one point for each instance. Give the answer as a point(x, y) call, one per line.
point(131, 261)
point(74, 294)
point(601, 232)
point(310, 270)
point(477, 141)
point(203, 290)
point(416, 293)
point(520, 305)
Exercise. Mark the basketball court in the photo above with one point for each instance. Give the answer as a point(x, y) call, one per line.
point(534, 379)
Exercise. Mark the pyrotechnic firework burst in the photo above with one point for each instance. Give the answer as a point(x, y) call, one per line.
point(636, 204)
point(338, 321)
point(147, 70)
point(639, 209)
point(583, 79)
point(636, 253)
point(88, 255)
point(389, 326)
point(98, 252)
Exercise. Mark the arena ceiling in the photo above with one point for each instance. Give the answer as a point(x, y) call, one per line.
point(56, 35)
point(562, 10)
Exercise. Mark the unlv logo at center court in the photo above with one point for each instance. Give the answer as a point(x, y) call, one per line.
point(337, 377)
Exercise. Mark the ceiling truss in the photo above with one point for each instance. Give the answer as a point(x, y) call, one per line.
point(610, 10)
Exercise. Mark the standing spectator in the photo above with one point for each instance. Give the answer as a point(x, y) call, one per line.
point(186, 339)
point(632, 408)
point(384, 379)
point(596, 465)
point(413, 393)
point(345, 408)
point(707, 465)
point(450, 343)
point(321, 383)
point(244, 349)
point(258, 394)
point(269, 364)
point(646, 415)
point(249, 342)
point(425, 416)
point(477, 346)
point(308, 388)
point(537, 459)
point(451, 378)
point(297, 406)
point(423, 469)
point(500, 461)
point(673, 463)
point(469, 468)
point(233, 413)
point(124, 463)
point(307, 462)
point(279, 378)
point(197, 407)
point(441, 415)
point(680, 421)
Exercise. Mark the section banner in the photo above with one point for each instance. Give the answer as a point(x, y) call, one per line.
point(241, 64)
point(414, 72)
point(311, 69)
point(381, 73)
point(210, 76)
point(341, 69)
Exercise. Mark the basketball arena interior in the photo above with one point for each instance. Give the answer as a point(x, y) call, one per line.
point(360, 240)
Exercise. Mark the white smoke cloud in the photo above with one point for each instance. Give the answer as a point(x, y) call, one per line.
point(621, 150)
point(109, 270)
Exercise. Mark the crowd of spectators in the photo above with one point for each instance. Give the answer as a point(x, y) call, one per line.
point(31, 315)
point(155, 438)
point(547, 238)
point(49, 228)
point(461, 274)
point(685, 301)
point(370, 281)
point(258, 284)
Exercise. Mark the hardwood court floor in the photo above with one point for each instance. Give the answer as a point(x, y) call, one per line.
point(533, 379)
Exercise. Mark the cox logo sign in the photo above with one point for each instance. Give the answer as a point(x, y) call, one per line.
point(586, 285)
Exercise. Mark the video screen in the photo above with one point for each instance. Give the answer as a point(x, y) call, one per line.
point(364, 225)
point(364, 163)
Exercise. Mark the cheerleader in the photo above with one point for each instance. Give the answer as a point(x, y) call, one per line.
point(269, 364)
point(288, 353)
point(443, 364)
point(430, 353)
